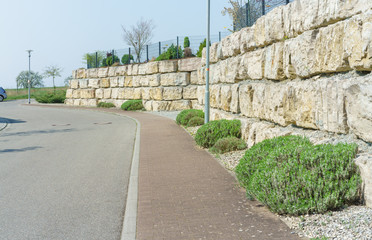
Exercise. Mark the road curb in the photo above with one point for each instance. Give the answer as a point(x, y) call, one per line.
point(130, 216)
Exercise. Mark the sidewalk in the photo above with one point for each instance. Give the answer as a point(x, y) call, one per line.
point(184, 193)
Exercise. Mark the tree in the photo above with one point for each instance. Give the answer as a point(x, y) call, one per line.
point(36, 79)
point(93, 60)
point(53, 71)
point(138, 36)
point(186, 42)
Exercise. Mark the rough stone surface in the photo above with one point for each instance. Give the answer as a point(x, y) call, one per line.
point(172, 93)
point(74, 84)
point(364, 163)
point(102, 72)
point(168, 66)
point(87, 93)
point(189, 64)
point(105, 83)
point(175, 79)
point(94, 83)
point(190, 92)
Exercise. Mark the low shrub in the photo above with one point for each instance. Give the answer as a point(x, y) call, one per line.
point(105, 105)
point(126, 58)
point(51, 97)
point(292, 176)
point(132, 105)
point(228, 144)
point(195, 121)
point(171, 53)
point(208, 134)
point(184, 116)
point(201, 47)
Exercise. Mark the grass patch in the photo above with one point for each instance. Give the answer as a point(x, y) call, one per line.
point(185, 116)
point(14, 94)
point(228, 144)
point(105, 105)
point(208, 134)
point(292, 176)
point(132, 105)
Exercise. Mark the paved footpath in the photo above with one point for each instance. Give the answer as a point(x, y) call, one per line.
point(184, 193)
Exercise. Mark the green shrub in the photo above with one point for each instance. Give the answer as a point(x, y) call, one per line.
point(126, 59)
point(51, 97)
point(104, 62)
point(105, 105)
point(228, 144)
point(186, 42)
point(184, 116)
point(208, 134)
point(109, 61)
point(132, 105)
point(292, 176)
point(195, 121)
point(201, 46)
point(171, 53)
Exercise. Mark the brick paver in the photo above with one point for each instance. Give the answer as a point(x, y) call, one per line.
point(184, 193)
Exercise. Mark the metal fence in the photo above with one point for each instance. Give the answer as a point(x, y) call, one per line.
point(253, 10)
point(150, 52)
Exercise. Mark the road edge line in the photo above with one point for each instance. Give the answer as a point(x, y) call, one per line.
point(130, 215)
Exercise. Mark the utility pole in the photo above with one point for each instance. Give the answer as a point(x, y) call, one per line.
point(29, 75)
point(206, 110)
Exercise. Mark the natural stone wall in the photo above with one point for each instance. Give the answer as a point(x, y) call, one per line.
point(304, 68)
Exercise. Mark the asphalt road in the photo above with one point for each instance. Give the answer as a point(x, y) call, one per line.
point(63, 173)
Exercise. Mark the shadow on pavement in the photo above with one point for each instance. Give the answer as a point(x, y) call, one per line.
point(9, 120)
point(19, 150)
point(37, 132)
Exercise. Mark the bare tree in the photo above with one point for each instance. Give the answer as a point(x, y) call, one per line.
point(53, 71)
point(138, 36)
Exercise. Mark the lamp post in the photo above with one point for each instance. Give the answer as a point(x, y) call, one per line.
point(29, 75)
point(206, 110)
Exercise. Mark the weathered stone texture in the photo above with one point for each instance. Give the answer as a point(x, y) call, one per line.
point(105, 83)
point(148, 68)
point(102, 72)
point(114, 82)
point(168, 66)
point(74, 84)
point(175, 79)
point(189, 64)
point(172, 93)
point(190, 92)
point(94, 83)
point(87, 93)
point(364, 162)
point(107, 93)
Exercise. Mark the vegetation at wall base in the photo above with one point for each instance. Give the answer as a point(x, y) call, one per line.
point(51, 97)
point(132, 105)
point(292, 176)
point(105, 105)
point(185, 116)
point(228, 144)
point(195, 121)
point(208, 134)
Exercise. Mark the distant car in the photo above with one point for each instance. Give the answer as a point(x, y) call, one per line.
point(2, 94)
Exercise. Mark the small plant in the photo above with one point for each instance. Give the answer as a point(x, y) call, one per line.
point(185, 116)
point(105, 105)
point(292, 176)
point(50, 97)
point(110, 62)
point(186, 42)
point(201, 46)
point(171, 53)
point(126, 59)
point(228, 144)
point(132, 105)
point(208, 134)
point(195, 121)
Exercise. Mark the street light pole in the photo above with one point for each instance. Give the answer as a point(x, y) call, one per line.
point(206, 110)
point(29, 75)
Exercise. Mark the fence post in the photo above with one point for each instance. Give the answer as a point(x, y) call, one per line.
point(177, 48)
point(129, 57)
point(263, 7)
point(96, 59)
point(159, 48)
point(286, 1)
point(113, 55)
point(219, 36)
point(147, 52)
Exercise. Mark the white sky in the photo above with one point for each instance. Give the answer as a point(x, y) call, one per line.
point(61, 31)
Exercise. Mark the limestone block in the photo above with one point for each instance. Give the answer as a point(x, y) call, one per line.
point(252, 65)
point(81, 73)
point(247, 42)
point(234, 105)
point(224, 50)
point(83, 83)
point(111, 72)
point(147, 105)
point(114, 82)
point(105, 83)
point(157, 93)
point(255, 132)
point(216, 114)
point(274, 62)
point(190, 92)
point(99, 93)
point(364, 162)
point(179, 105)
point(94, 83)
point(201, 95)
point(121, 70)
point(152, 68)
point(172, 93)
point(77, 102)
point(201, 75)
point(92, 73)
point(118, 103)
point(136, 81)
point(74, 74)
point(235, 44)
point(88, 102)
point(189, 64)
point(358, 41)
point(213, 53)
point(154, 80)
point(132, 70)
point(168, 66)
point(359, 109)
point(142, 68)
point(137, 93)
point(103, 72)
point(215, 96)
point(196, 105)
point(175, 79)
point(145, 92)
point(107, 93)
point(121, 93)
point(69, 93)
point(69, 101)
point(144, 81)
point(76, 93)
point(232, 70)
point(121, 81)
point(74, 83)
point(274, 24)
point(114, 93)
point(260, 31)
point(128, 81)
point(133, 93)
point(226, 96)
point(160, 105)
point(194, 78)
point(87, 93)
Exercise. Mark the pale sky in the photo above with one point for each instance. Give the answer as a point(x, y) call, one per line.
point(61, 31)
